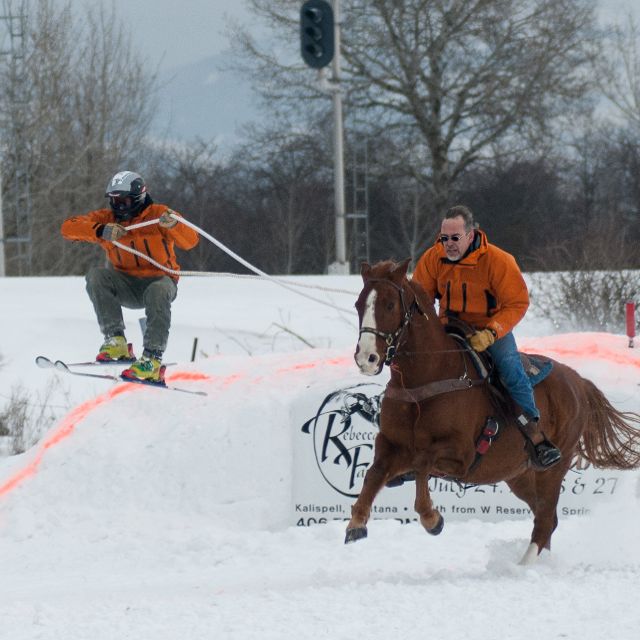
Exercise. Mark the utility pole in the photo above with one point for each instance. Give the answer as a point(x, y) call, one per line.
point(358, 216)
point(2, 268)
point(16, 215)
point(340, 266)
point(320, 44)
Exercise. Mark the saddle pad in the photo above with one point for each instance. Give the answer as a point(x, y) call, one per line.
point(536, 367)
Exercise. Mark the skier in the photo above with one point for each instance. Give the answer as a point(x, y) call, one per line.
point(131, 281)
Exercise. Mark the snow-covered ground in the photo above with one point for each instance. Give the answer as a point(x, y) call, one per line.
point(148, 514)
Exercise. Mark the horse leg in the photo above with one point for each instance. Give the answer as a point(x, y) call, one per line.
point(548, 485)
point(524, 487)
point(374, 480)
point(430, 518)
point(541, 491)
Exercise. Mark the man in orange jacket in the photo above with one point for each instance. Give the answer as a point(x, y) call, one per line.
point(132, 281)
point(483, 286)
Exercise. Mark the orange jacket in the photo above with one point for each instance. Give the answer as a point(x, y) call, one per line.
point(484, 289)
point(152, 240)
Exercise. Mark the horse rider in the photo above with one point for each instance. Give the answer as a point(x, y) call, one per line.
point(482, 285)
point(130, 280)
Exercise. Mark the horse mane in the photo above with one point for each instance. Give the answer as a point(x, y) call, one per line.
point(390, 270)
point(424, 300)
point(384, 268)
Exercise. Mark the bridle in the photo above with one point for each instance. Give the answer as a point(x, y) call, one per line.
point(392, 338)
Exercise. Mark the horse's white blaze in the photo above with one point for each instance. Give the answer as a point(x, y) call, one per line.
point(530, 555)
point(367, 357)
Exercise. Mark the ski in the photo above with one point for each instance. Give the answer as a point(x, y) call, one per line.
point(58, 365)
point(46, 363)
point(42, 361)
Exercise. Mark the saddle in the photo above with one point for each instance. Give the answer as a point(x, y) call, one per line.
point(536, 367)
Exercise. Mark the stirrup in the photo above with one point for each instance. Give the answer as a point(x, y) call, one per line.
point(543, 455)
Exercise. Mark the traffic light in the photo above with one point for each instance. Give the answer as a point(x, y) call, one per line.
point(316, 33)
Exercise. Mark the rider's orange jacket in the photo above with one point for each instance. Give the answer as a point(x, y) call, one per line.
point(153, 240)
point(485, 288)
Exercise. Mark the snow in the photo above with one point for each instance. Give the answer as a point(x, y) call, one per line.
point(149, 514)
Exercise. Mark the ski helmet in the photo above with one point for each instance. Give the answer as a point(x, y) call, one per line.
point(127, 193)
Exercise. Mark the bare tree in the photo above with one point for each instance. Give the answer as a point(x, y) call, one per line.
point(286, 175)
point(453, 77)
point(290, 185)
point(619, 70)
point(195, 182)
point(90, 107)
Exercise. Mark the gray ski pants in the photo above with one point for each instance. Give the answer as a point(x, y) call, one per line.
point(110, 290)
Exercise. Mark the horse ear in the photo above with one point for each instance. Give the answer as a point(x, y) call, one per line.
point(399, 271)
point(365, 270)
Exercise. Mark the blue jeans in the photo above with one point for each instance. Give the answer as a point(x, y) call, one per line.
point(509, 367)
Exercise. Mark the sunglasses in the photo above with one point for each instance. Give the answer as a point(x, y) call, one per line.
point(454, 238)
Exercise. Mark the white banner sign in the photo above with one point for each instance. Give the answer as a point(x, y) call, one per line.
point(335, 429)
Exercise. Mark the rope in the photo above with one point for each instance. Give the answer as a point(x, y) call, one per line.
point(260, 274)
point(139, 225)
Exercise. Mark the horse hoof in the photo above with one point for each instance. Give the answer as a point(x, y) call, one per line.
point(437, 530)
point(353, 535)
point(530, 555)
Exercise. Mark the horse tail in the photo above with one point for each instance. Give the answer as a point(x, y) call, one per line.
point(610, 439)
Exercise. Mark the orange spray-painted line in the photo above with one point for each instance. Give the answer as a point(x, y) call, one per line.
point(581, 346)
point(331, 362)
point(66, 428)
point(69, 423)
point(188, 375)
point(609, 356)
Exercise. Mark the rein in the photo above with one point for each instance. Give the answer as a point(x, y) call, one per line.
point(392, 339)
point(438, 387)
point(431, 389)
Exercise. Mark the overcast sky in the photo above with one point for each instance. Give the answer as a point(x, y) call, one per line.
point(170, 34)
point(177, 32)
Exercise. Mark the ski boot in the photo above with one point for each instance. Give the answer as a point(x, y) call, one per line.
point(147, 369)
point(115, 349)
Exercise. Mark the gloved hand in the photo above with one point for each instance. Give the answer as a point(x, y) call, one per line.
point(112, 232)
point(481, 340)
point(166, 220)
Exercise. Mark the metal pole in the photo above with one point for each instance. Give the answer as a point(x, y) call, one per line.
point(340, 266)
point(2, 267)
point(631, 321)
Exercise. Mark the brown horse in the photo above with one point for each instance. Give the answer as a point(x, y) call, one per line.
point(436, 406)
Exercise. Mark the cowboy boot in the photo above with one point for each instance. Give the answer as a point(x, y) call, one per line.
point(542, 452)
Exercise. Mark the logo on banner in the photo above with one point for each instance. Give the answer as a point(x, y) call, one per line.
point(343, 432)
